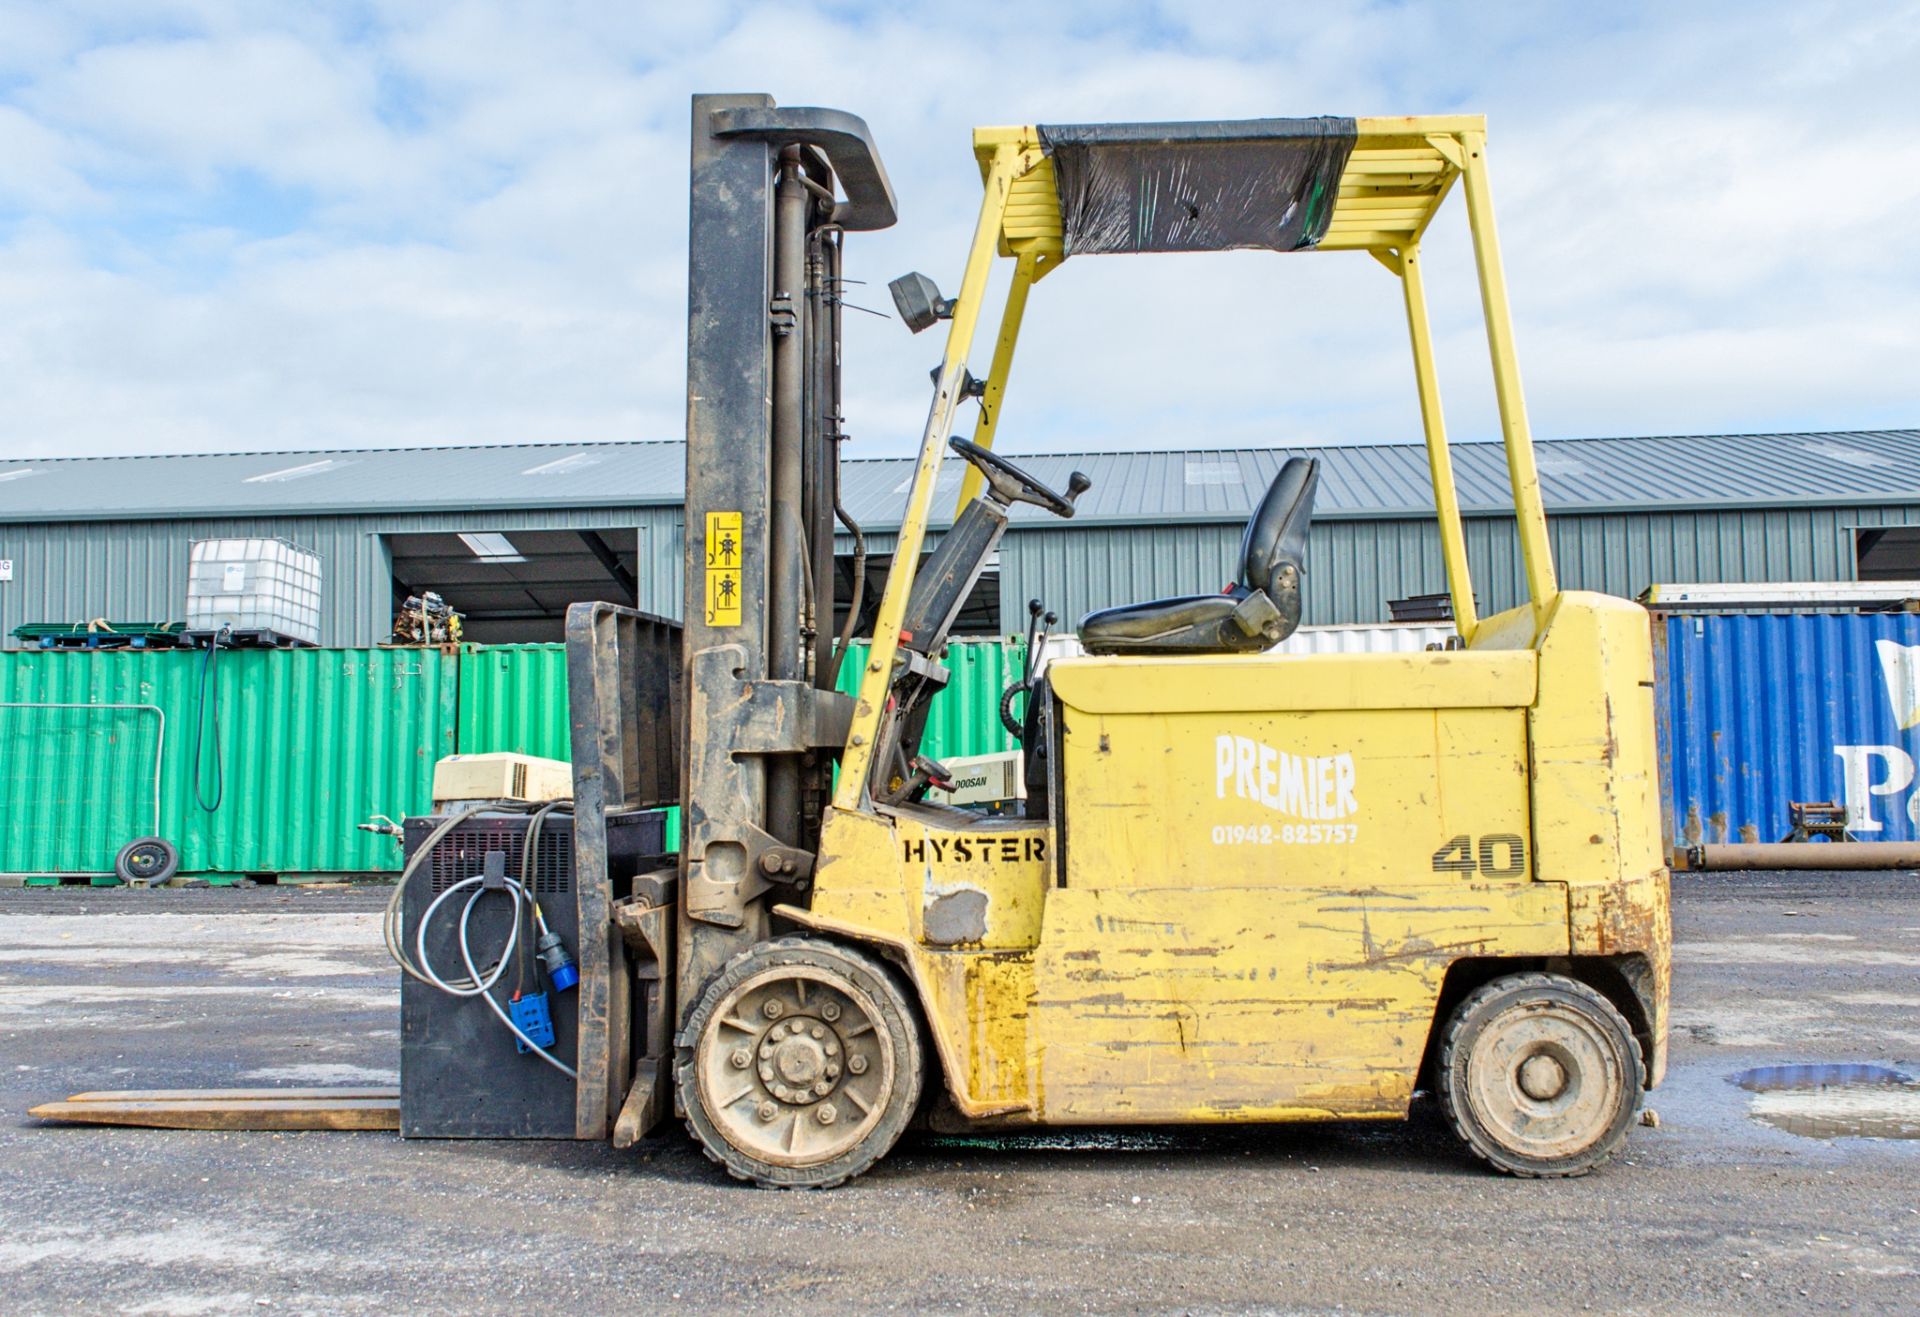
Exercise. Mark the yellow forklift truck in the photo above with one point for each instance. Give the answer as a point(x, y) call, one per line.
point(1240, 887)
point(1243, 887)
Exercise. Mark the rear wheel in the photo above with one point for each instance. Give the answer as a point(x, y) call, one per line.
point(1540, 1075)
point(801, 1065)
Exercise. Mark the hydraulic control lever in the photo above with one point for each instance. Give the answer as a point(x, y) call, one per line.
point(1037, 625)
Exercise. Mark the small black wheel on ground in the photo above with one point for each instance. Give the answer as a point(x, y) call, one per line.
point(1540, 1075)
point(151, 860)
point(801, 1065)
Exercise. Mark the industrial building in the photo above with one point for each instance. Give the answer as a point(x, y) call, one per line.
point(510, 535)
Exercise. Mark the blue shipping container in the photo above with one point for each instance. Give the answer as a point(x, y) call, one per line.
point(1757, 710)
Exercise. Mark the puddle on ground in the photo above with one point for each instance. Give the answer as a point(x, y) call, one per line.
point(1834, 1101)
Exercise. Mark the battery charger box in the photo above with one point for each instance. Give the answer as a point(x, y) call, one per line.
point(462, 1073)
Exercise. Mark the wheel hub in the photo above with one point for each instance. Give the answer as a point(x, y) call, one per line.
point(1542, 1078)
point(800, 1060)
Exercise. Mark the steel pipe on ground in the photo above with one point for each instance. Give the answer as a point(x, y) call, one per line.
point(1803, 855)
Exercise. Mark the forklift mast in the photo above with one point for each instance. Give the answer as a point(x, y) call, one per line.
point(774, 192)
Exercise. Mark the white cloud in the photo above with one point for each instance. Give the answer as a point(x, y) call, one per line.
point(228, 225)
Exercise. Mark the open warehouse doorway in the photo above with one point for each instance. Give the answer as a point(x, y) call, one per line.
point(514, 586)
point(1887, 554)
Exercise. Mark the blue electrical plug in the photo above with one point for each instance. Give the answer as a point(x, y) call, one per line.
point(560, 967)
point(533, 1019)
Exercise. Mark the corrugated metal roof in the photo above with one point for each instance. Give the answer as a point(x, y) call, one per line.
point(341, 481)
point(1379, 480)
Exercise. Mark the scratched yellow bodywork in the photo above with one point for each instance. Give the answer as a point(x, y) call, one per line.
point(1257, 872)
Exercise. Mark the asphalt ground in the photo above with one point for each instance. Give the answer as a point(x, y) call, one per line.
point(1714, 1210)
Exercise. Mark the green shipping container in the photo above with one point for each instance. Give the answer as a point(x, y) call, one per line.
point(310, 743)
point(514, 698)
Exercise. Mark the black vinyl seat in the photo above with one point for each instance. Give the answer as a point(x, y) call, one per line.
point(1257, 612)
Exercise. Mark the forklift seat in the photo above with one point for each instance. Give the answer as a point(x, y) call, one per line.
point(1257, 612)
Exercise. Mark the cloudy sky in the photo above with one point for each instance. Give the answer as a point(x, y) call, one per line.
point(233, 226)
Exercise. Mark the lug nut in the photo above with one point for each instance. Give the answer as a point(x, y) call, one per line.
point(741, 1058)
point(857, 1064)
point(830, 1012)
point(822, 1088)
point(826, 1115)
point(766, 1111)
point(833, 1049)
point(817, 1032)
point(766, 1073)
point(833, 1072)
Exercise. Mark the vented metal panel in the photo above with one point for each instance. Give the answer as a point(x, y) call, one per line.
point(464, 853)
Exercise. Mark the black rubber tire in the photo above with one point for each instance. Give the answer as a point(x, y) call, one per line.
point(898, 1017)
point(149, 859)
point(1531, 992)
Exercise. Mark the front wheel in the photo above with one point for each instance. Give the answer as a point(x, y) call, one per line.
point(801, 1065)
point(1540, 1075)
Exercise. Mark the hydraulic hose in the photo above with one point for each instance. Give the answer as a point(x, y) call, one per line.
point(209, 673)
point(859, 573)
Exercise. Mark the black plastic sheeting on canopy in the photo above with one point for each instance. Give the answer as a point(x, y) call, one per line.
point(1188, 187)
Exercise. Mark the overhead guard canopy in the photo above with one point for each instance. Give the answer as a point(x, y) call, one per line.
point(1332, 184)
point(1212, 186)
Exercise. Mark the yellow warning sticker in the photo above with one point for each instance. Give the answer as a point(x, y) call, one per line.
point(723, 539)
point(723, 596)
point(724, 554)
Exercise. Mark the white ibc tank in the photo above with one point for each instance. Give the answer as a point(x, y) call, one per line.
point(254, 585)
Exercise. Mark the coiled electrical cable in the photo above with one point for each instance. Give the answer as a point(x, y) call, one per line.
point(525, 906)
point(477, 984)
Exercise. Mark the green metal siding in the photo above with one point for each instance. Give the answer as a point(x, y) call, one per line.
point(1354, 565)
point(137, 570)
point(312, 743)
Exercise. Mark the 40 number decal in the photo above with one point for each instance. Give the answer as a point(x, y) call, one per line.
point(1498, 855)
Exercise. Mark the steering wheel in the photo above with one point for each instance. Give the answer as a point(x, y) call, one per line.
point(1012, 485)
